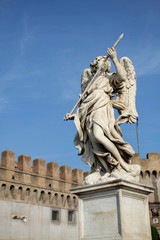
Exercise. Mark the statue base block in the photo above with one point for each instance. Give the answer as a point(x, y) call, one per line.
point(117, 210)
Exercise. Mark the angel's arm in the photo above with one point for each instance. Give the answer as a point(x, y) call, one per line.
point(120, 73)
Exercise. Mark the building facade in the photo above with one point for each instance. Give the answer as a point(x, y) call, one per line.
point(150, 176)
point(36, 203)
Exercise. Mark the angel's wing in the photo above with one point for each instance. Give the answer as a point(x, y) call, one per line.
point(85, 79)
point(127, 95)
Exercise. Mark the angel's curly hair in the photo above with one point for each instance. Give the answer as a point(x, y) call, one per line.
point(94, 63)
point(96, 60)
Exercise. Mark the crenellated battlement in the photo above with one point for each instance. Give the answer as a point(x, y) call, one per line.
point(149, 166)
point(21, 181)
point(38, 184)
point(23, 172)
point(12, 170)
point(150, 173)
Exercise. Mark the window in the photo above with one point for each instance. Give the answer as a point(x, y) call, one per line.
point(3, 188)
point(20, 190)
point(56, 215)
point(71, 216)
point(12, 190)
point(154, 212)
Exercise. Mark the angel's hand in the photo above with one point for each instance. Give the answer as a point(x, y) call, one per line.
point(112, 53)
point(69, 117)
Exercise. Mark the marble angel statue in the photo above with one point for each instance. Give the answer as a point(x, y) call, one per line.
point(99, 137)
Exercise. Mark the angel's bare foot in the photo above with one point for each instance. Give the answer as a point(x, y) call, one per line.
point(133, 170)
point(126, 167)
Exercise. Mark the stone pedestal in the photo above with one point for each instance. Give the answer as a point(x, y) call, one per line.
point(117, 210)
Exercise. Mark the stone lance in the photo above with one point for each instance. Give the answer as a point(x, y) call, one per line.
point(68, 115)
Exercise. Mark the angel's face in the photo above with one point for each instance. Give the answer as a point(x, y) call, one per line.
point(94, 62)
point(98, 63)
point(93, 65)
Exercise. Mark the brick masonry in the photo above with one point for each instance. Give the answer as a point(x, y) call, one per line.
point(50, 185)
point(19, 181)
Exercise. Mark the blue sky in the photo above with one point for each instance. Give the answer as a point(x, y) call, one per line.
point(44, 47)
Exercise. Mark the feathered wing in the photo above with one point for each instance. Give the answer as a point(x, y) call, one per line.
point(85, 79)
point(127, 95)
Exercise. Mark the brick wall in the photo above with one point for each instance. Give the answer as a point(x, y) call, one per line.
point(38, 184)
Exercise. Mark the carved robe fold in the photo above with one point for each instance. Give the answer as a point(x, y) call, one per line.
point(98, 108)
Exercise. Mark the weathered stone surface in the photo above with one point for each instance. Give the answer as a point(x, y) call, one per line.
point(8, 159)
point(99, 138)
point(66, 173)
point(115, 210)
point(24, 163)
point(53, 170)
point(39, 166)
point(36, 222)
point(77, 176)
point(21, 183)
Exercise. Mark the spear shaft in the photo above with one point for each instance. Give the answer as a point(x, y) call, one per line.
point(121, 36)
